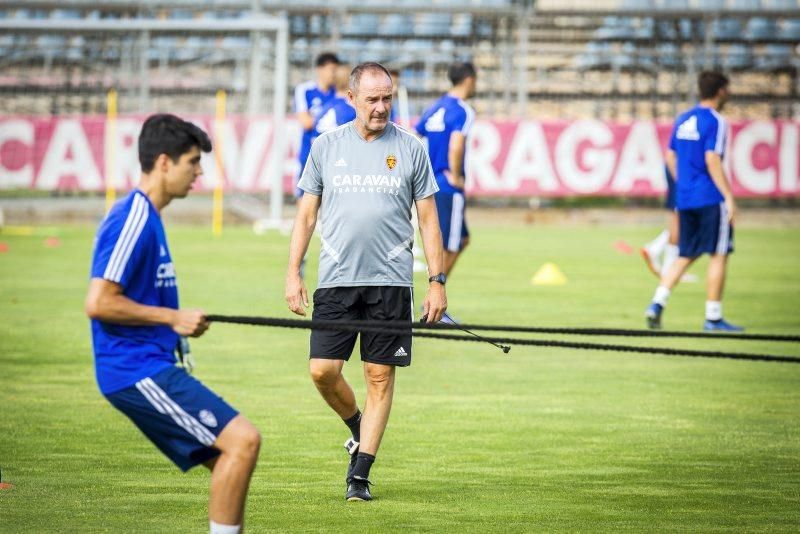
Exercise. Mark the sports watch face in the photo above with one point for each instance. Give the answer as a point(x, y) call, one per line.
point(441, 278)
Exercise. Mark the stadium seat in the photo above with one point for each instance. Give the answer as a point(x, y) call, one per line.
point(462, 25)
point(396, 24)
point(738, 57)
point(776, 58)
point(789, 30)
point(595, 57)
point(433, 24)
point(760, 29)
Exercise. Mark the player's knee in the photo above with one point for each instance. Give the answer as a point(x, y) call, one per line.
point(248, 443)
point(323, 374)
point(381, 377)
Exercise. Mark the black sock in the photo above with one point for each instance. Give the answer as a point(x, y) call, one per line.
point(354, 424)
point(363, 465)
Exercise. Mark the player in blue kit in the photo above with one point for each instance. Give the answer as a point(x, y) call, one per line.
point(338, 110)
point(705, 203)
point(446, 125)
point(309, 98)
point(137, 326)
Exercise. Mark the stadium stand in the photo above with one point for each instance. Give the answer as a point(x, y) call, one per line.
point(604, 59)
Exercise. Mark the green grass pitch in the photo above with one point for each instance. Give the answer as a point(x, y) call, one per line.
point(537, 440)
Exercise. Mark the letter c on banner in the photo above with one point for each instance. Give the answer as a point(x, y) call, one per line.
point(21, 131)
point(754, 180)
point(599, 161)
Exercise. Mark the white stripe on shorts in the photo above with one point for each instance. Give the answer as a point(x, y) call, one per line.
point(723, 236)
point(161, 402)
point(456, 222)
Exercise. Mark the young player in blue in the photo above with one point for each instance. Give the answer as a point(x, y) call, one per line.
point(706, 207)
point(446, 125)
point(137, 324)
point(309, 98)
point(338, 110)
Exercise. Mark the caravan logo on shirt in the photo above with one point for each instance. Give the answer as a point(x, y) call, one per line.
point(369, 183)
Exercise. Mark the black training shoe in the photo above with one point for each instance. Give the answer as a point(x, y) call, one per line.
point(351, 446)
point(358, 489)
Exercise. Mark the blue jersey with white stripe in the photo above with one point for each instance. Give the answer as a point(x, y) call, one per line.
point(696, 132)
point(449, 114)
point(131, 250)
point(336, 112)
point(309, 97)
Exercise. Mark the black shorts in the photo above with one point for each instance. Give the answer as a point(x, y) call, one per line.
point(371, 303)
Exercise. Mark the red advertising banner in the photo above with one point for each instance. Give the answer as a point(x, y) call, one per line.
point(504, 158)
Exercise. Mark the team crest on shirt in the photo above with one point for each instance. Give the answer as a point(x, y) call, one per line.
point(391, 161)
point(208, 418)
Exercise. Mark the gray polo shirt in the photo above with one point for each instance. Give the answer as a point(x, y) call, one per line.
point(367, 190)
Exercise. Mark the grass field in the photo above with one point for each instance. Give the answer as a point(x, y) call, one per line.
point(537, 440)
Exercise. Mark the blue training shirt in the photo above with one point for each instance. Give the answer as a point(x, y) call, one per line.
point(310, 98)
point(333, 114)
point(449, 114)
point(696, 132)
point(131, 250)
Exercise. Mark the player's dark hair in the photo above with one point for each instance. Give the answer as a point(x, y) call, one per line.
point(327, 58)
point(360, 69)
point(458, 72)
point(170, 135)
point(710, 82)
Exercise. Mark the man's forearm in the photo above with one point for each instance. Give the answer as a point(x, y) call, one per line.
point(671, 162)
point(119, 309)
point(432, 245)
point(718, 176)
point(301, 236)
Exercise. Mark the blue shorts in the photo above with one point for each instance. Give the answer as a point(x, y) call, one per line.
point(177, 413)
point(451, 207)
point(669, 201)
point(705, 231)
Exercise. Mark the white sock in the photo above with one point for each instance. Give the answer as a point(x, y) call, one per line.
point(661, 296)
point(216, 528)
point(671, 253)
point(656, 246)
point(713, 310)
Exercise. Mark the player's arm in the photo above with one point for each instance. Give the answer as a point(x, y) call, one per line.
point(305, 119)
point(304, 223)
point(455, 158)
point(436, 300)
point(106, 302)
point(671, 160)
point(717, 172)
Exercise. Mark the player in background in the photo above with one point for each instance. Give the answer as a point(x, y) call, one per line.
point(338, 110)
point(137, 327)
point(659, 253)
point(446, 125)
point(706, 207)
point(309, 98)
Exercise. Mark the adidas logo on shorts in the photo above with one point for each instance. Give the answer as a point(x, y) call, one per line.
point(400, 353)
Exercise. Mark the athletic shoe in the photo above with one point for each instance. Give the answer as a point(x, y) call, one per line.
point(351, 446)
point(721, 325)
point(358, 489)
point(650, 260)
point(653, 316)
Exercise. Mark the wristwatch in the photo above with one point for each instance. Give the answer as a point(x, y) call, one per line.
point(441, 278)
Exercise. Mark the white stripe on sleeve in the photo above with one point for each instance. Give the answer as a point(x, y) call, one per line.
point(132, 229)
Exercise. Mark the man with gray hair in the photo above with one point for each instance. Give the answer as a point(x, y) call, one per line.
point(366, 175)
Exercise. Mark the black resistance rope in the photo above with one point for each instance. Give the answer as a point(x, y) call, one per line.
point(395, 326)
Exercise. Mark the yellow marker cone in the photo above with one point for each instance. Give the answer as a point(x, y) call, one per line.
point(549, 275)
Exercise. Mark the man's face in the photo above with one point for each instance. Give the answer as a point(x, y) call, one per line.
point(471, 85)
point(373, 100)
point(724, 96)
point(181, 174)
point(327, 74)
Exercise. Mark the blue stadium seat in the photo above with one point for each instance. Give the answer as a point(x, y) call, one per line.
point(776, 58)
point(432, 24)
point(462, 25)
point(727, 29)
point(396, 24)
point(596, 56)
point(789, 30)
point(615, 28)
point(760, 29)
point(669, 56)
point(738, 57)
